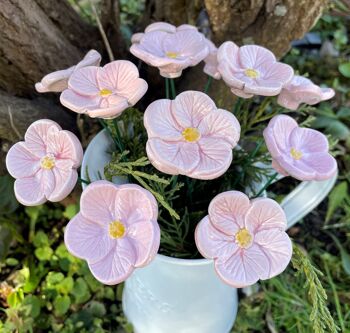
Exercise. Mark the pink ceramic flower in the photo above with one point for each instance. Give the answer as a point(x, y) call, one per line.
point(299, 152)
point(58, 81)
point(171, 51)
point(246, 239)
point(211, 61)
point(302, 90)
point(115, 231)
point(104, 92)
point(252, 70)
point(190, 136)
point(161, 26)
point(45, 163)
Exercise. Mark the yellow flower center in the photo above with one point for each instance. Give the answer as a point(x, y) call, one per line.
point(252, 73)
point(243, 238)
point(47, 162)
point(296, 154)
point(172, 55)
point(105, 92)
point(191, 134)
point(116, 229)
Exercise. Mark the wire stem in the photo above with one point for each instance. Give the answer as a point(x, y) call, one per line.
point(268, 183)
point(207, 86)
point(173, 90)
point(83, 181)
point(237, 105)
point(167, 91)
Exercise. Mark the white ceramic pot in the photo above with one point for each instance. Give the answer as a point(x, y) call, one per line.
point(180, 295)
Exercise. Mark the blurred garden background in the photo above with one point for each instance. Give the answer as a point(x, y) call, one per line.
point(44, 289)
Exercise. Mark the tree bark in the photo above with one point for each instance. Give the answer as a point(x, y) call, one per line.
point(41, 36)
point(37, 37)
point(16, 114)
point(270, 23)
point(273, 24)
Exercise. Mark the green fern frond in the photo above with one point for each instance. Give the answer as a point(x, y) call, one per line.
point(320, 315)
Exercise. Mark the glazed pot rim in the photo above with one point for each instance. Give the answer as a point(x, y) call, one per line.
point(182, 261)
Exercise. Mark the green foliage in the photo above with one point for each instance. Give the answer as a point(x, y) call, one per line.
point(8, 202)
point(333, 122)
point(44, 288)
point(336, 198)
point(320, 316)
point(344, 68)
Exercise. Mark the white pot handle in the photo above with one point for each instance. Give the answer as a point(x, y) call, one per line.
point(304, 198)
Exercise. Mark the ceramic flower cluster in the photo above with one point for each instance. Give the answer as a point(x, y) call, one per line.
point(116, 230)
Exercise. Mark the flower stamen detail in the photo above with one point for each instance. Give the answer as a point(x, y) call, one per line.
point(252, 73)
point(296, 154)
point(47, 162)
point(116, 229)
point(243, 238)
point(191, 134)
point(172, 55)
point(105, 92)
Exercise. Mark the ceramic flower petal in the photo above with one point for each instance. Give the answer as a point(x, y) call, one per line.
point(278, 249)
point(180, 157)
point(123, 77)
point(104, 92)
point(66, 145)
point(299, 152)
point(87, 239)
point(58, 81)
point(133, 199)
point(252, 70)
point(160, 26)
point(302, 90)
point(97, 202)
point(190, 107)
point(21, 163)
point(35, 137)
point(221, 125)
point(144, 235)
point(265, 213)
point(45, 163)
point(84, 82)
point(115, 231)
point(30, 191)
point(215, 158)
point(65, 179)
point(227, 211)
point(245, 238)
point(243, 268)
point(171, 51)
point(211, 61)
point(190, 136)
point(278, 132)
point(117, 265)
point(213, 243)
point(316, 141)
point(160, 123)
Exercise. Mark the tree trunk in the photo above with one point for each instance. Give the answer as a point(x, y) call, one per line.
point(271, 23)
point(41, 36)
point(37, 37)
